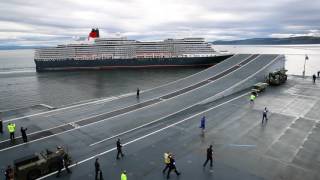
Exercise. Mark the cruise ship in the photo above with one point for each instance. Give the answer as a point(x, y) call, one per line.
point(106, 53)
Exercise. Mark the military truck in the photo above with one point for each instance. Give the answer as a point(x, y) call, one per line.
point(36, 165)
point(277, 77)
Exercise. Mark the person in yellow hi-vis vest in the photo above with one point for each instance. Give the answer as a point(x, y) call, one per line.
point(252, 98)
point(166, 161)
point(124, 175)
point(12, 129)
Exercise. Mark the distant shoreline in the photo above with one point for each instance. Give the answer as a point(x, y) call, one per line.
point(263, 45)
point(268, 45)
point(302, 40)
point(293, 41)
point(20, 47)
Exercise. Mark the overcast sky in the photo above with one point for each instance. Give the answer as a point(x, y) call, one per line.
point(50, 22)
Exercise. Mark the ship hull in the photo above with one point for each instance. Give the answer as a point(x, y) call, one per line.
point(54, 65)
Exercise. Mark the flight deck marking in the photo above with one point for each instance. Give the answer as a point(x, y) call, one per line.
point(255, 56)
point(177, 111)
point(107, 99)
point(221, 93)
point(246, 61)
point(47, 106)
point(74, 124)
point(241, 145)
point(145, 136)
point(60, 109)
point(152, 122)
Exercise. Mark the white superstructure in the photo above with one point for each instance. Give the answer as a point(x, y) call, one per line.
point(122, 48)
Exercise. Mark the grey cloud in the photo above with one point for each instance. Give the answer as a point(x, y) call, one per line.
point(56, 22)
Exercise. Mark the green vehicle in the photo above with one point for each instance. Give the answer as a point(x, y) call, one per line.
point(277, 77)
point(259, 87)
point(36, 165)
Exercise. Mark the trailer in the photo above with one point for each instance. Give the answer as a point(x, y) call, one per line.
point(259, 87)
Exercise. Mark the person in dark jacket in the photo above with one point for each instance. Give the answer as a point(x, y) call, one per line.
point(8, 173)
point(314, 78)
point(203, 124)
point(1, 126)
point(138, 92)
point(66, 162)
point(264, 115)
point(119, 149)
point(60, 165)
point(24, 134)
point(98, 170)
point(209, 156)
point(172, 166)
point(63, 161)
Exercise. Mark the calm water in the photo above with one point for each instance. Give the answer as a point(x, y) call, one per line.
point(21, 86)
point(295, 55)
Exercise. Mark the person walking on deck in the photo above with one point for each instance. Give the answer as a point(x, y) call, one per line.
point(60, 166)
point(203, 124)
point(209, 156)
point(8, 173)
point(98, 172)
point(252, 98)
point(24, 134)
point(124, 175)
point(119, 149)
point(67, 162)
point(1, 126)
point(265, 115)
point(314, 78)
point(138, 92)
point(11, 129)
point(166, 161)
point(172, 166)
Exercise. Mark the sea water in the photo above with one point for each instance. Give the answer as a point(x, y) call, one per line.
point(21, 86)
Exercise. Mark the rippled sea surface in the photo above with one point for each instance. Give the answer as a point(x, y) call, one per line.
point(295, 55)
point(21, 86)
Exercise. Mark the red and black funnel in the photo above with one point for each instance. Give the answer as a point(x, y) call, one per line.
point(94, 33)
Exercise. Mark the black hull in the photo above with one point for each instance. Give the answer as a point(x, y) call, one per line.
point(127, 63)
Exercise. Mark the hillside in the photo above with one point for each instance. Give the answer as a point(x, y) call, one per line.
point(272, 41)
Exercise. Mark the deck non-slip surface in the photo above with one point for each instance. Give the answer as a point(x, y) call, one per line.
point(167, 119)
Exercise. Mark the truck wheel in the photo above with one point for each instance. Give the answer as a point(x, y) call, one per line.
point(34, 174)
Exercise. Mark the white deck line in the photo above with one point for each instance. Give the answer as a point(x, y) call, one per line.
point(116, 115)
point(145, 136)
point(242, 81)
point(144, 125)
point(47, 106)
point(55, 110)
point(97, 101)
